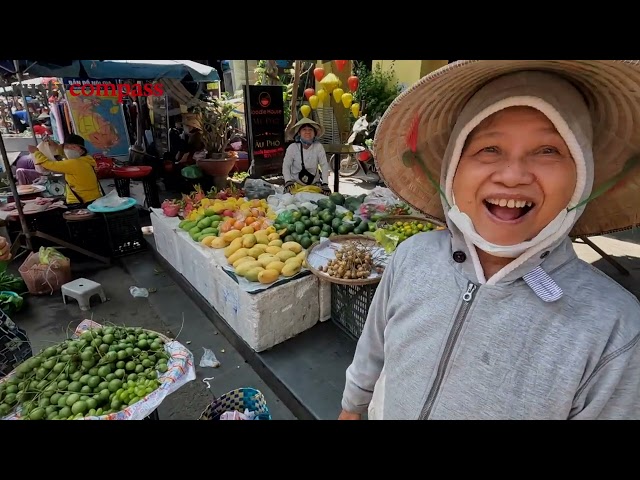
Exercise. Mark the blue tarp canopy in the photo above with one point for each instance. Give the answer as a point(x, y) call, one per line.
point(107, 69)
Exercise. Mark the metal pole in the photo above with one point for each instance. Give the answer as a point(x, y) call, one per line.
point(16, 63)
point(14, 191)
point(246, 72)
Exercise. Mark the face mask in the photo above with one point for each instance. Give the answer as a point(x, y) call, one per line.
point(187, 130)
point(72, 153)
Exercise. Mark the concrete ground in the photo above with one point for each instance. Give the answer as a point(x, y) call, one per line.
point(168, 310)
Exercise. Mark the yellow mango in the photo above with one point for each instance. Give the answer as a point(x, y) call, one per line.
point(293, 260)
point(277, 265)
point(262, 238)
point(266, 260)
point(255, 252)
point(302, 255)
point(260, 246)
point(206, 241)
point(295, 247)
point(273, 236)
point(219, 242)
point(268, 276)
point(241, 252)
point(290, 269)
point(232, 248)
point(244, 267)
point(275, 243)
point(249, 240)
point(284, 255)
point(246, 230)
point(253, 274)
point(262, 232)
point(273, 250)
point(231, 235)
point(242, 260)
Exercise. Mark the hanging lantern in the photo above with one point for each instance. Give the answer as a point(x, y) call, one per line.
point(313, 101)
point(337, 94)
point(341, 64)
point(322, 95)
point(347, 98)
point(318, 73)
point(355, 109)
point(305, 110)
point(353, 83)
point(330, 82)
point(308, 92)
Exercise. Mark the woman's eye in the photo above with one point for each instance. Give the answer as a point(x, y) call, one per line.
point(489, 150)
point(548, 150)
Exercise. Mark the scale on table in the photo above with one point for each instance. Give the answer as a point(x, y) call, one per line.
point(54, 184)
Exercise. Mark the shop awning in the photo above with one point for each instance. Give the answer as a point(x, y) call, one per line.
point(150, 69)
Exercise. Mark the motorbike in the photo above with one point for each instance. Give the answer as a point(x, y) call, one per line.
point(361, 164)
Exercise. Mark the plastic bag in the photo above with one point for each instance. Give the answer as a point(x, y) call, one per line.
point(50, 256)
point(110, 200)
point(256, 188)
point(209, 359)
point(192, 172)
point(285, 217)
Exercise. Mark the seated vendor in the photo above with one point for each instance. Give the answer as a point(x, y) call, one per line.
point(79, 171)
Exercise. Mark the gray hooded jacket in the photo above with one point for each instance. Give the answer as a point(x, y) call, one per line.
point(554, 338)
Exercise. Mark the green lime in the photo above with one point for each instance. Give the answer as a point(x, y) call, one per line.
point(71, 399)
point(120, 373)
point(64, 412)
point(79, 407)
point(104, 370)
point(115, 385)
point(94, 381)
point(37, 414)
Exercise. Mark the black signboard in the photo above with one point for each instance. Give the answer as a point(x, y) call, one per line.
point(264, 112)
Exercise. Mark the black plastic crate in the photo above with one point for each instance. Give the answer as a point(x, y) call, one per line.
point(90, 234)
point(15, 347)
point(151, 193)
point(125, 232)
point(123, 186)
point(350, 306)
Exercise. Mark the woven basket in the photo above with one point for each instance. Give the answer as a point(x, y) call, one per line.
point(343, 239)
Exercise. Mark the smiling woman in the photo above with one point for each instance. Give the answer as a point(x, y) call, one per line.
point(509, 323)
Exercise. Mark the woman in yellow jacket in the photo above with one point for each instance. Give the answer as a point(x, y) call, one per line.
point(79, 171)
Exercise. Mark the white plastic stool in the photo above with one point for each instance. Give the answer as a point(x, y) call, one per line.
point(82, 290)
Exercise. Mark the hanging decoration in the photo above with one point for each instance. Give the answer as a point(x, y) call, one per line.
point(347, 98)
point(330, 82)
point(322, 95)
point(341, 64)
point(305, 110)
point(353, 83)
point(308, 92)
point(337, 94)
point(313, 101)
point(318, 73)
point(355, 109)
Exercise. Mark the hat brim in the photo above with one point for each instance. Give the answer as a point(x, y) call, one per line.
point(436, 100)
point(307, 121)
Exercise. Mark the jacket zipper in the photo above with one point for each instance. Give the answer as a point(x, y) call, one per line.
point(461, 315)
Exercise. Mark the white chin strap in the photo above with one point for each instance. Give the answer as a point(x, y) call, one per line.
point(560, 226)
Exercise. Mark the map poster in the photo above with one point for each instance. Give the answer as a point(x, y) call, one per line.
point(98, 119)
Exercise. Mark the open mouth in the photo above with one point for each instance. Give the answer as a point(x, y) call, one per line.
point(508, 210)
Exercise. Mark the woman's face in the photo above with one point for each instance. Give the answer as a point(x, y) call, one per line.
point(307, 133)
point(515, 175)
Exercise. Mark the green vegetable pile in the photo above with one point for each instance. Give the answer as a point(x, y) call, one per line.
point(102, 372)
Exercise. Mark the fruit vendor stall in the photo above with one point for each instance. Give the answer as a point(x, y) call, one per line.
point(247, 256)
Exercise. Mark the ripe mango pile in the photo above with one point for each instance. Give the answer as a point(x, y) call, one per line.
point(216, 217)
point(261, 256)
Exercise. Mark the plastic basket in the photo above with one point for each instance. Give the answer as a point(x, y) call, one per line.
point(44, 279)
point(14, 345)
point(124, 232)
point(240, 399)
point(350, 306)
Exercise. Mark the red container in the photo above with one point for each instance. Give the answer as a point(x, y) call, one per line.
point(132, 171)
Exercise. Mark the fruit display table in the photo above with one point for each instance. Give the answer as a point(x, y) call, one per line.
point(262, 319)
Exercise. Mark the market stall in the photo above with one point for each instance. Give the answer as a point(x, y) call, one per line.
point(248, 256)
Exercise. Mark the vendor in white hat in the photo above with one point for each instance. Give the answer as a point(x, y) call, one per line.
point(496, 317)
point(305, 161)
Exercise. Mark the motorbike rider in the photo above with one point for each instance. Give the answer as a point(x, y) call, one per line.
point(305, 161)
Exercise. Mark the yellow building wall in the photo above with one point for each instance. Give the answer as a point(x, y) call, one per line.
point(410, 71)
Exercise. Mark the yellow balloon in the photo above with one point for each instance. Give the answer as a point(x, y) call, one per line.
point(347, 98)
point(305, 110)
point(313, 101)
point(355, 109)
point(321, 94)
point(337, 94)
